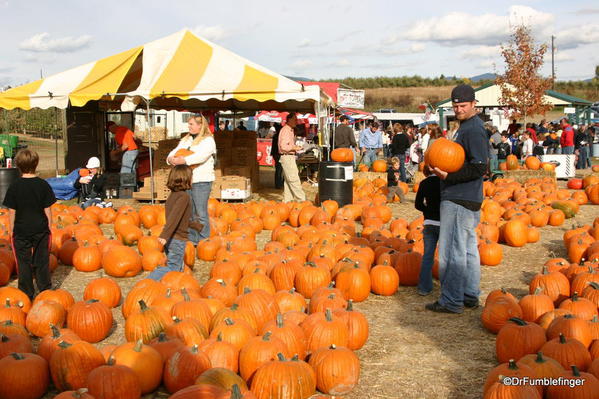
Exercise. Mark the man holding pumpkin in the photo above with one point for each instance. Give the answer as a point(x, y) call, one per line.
point(461, 199)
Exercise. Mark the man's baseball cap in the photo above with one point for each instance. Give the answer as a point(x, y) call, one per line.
point(462, 94)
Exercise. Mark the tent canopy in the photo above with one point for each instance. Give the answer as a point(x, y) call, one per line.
point(488, 95)
point(180, 71)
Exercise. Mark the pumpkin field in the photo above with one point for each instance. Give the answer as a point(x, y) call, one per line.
point(295, 300)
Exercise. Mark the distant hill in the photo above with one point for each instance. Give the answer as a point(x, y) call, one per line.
point(484, 76)
point(296, 78)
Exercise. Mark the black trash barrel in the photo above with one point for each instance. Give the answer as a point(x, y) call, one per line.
point(7, 176)
point(335, 182)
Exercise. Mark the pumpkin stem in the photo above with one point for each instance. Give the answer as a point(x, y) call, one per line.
point(138, 345)
point(80, 392)
point(64, 344)
point(280, 321)
point(333, 346)
point(292, 290)
point(229, 322)
point(575, 371)
point(55, 331)
point(281, 357)
point(162, 337)
point(143, 305)
point(176, 319)
point(562, 338)
point(595, 319)
point(594, 285)
point(7, 303)
point(236, 392)
point(545, 271)
point(518, 321)
point(219, 337)
point(17, 356)
point(4, 338)
point(328, 315)
point(538, 291)
point(295, 358)
point(266, 336)
point(234, 306)
point(512, 365)
point(540, 358)
point(93, 300)
point(185, 294)
point(350, 305)
point(247, 290)
point(194, 349)
point(221, 282)
point(111, 361)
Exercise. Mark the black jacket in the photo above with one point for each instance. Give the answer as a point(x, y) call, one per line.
point(428, 198)
point(274, 147)
point(93, 189)
point(400, 144)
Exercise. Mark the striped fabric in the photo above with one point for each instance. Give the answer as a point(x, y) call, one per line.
point(179, 71)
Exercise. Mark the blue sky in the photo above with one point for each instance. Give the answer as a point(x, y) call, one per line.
point(314, 39)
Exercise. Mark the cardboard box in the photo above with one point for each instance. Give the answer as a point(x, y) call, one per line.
point(243, 171)
point(235, 182)
point(243, 157)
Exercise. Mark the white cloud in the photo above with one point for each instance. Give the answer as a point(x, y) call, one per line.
point(37, 58)
point(213, 33)
point(587, 11)
point(302, 64)
point(486, 64)
point(577, 36)
point(458, 28)
point(559, 56)
point(482, 52)
point(340, 63)
point(6, 68)
point(42, 42)
point(304, 43)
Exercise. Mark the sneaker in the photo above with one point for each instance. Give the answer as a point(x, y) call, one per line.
point(438, 308)
point(471, 304)
point(424, 293)
point(108, 205)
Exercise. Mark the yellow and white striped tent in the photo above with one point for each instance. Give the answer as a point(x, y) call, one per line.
point(180, 71)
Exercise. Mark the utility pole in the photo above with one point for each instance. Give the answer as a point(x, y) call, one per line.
point(553, 61)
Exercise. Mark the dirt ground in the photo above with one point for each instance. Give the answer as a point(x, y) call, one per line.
point(411, 353)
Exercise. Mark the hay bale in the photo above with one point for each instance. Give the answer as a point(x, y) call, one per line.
point(157, 134)
point(521, 176)
point(370, 176)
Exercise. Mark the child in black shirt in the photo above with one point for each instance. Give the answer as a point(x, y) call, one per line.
point(29, 199)
point(428, 201)
point(393, 174)
point(504, 148)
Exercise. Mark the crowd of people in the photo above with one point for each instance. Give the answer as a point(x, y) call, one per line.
point(408, 143)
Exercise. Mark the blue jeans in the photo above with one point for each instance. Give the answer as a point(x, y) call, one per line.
point(568, 150)
point(459, 262)
point(129, 161)
point(369, 157)
point(91, 202)
point(431, 236)
point(583, 155)
point(200, 192)
point(493, 162)
point(175, 251)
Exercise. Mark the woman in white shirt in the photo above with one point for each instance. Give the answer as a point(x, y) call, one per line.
point(201, 143)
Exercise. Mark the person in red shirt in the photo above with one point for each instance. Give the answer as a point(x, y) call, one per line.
point(533, 133)
point(567, 139)
point(125, 140)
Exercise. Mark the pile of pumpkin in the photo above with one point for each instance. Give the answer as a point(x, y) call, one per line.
point(590, 185)
point(260, 315)
point(530, 163)
point(554, 330)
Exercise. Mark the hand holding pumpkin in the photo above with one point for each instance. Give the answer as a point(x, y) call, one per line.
point(162, 241)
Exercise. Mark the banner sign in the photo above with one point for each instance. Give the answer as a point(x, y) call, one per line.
point(350, 98)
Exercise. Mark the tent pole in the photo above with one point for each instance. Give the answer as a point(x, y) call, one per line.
point(149, 120)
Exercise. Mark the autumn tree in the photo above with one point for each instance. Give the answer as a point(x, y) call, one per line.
point(522, 85)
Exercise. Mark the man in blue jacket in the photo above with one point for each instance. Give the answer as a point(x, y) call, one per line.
point(461, 199)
